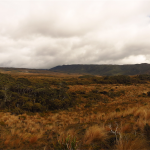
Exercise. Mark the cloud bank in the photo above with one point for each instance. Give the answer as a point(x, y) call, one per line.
point(44, 34)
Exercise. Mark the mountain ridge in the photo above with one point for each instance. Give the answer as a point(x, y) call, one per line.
point(104, 69)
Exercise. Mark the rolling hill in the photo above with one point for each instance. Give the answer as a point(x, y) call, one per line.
point(131, 69)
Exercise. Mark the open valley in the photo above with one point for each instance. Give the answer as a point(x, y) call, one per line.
point(46, 111)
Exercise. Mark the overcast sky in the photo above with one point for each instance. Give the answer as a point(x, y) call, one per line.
point(44, 34)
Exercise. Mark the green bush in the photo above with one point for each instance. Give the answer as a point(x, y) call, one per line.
point(22, 94)
point(113, 94)
point(66, 103)
point(42, 114)
point(17, 111)
point(23, 81)
point(144, 77)
point(28, 106)
point(55, 104)
point(2, 95)
point(37, 107)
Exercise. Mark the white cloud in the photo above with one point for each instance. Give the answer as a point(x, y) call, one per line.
point(43, 34)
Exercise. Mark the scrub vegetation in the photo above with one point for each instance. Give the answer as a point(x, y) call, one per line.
point(74, 112)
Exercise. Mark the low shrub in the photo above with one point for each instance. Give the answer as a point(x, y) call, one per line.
point(28, 106)
point(17, 111)
point(37, 107)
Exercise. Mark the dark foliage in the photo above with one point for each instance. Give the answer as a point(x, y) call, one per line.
point(109, 70)
point(23, 95)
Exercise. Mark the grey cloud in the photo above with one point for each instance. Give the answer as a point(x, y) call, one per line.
point(58, 33)
point(67, 23)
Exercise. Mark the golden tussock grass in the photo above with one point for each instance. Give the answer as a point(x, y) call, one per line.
point(127, 128)
point(6, 142)
point(141, 112)
point(133, 114)
point(17, 142)
point(132, 144)
point(94, 133)
point(140, 123)
point(63, 135)
point(33, 139)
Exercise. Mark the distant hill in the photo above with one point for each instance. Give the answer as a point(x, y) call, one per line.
point(22, 70)
point(135, 69)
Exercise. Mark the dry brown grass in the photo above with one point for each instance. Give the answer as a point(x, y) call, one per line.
point(63, 135)
point(80, 122)
point(127, 128)
point(94, 133)
point(131, 144)
point(33, 139)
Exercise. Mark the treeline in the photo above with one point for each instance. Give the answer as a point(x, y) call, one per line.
point(119, 79)
point(19, 95)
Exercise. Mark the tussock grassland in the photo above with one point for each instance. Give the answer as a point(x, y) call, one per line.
point(36, 132)
point(118, 119)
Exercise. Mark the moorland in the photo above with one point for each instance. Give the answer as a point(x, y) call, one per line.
point(59, 111)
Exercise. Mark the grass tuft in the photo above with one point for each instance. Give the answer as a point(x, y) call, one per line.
point(131, 143)
point(95, 133)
